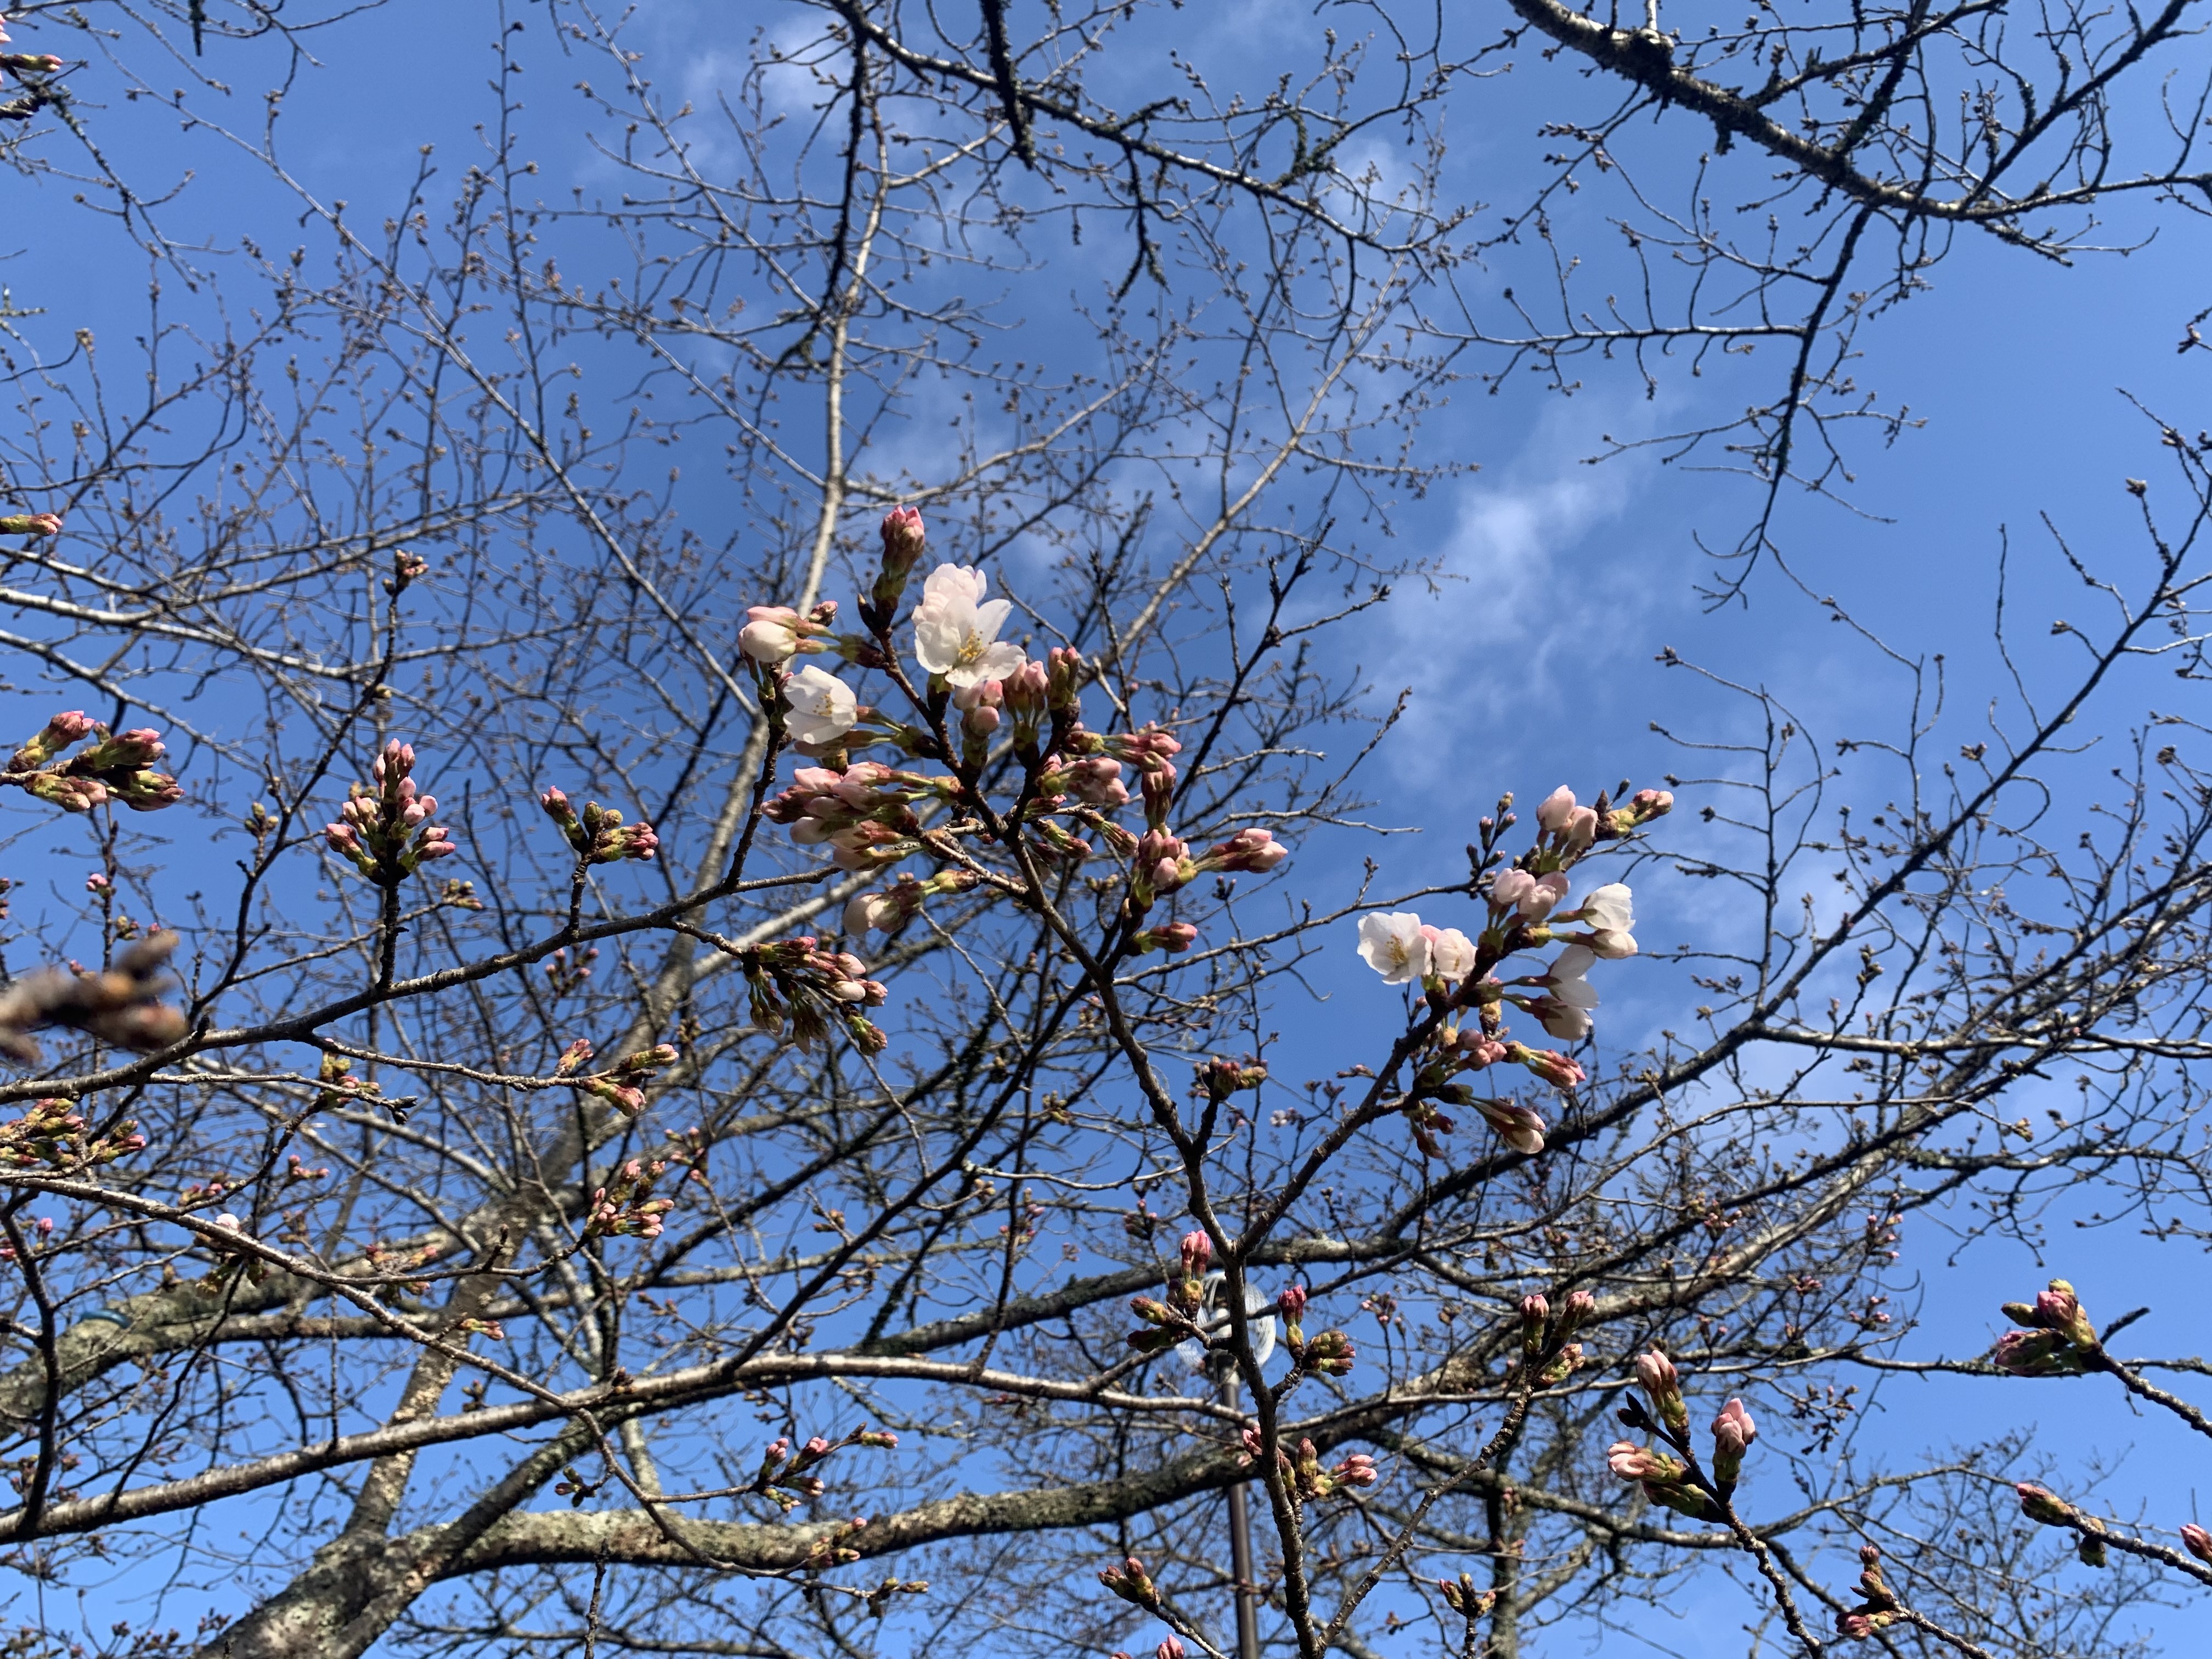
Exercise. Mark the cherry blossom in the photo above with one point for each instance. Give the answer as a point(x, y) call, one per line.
point(1393, 944)
point(823, 708)
point(955, 630)
point(1451, 953)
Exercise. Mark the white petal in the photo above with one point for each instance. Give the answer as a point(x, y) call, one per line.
point(1611, 907)
point(1573, 962)
point(961, 585)
point(937, 633)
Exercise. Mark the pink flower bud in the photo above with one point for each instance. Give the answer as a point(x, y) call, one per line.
point(1291, 1301)
point(1170, 1647)
point(904, 537)
point(1656, 1373)
point(1255, 851)
point(1508, 888)
point(1534, 1310)
point(1552, 816)
point(1580, 829)
point(2041, 1505)
point(1733, 1433)
point(1517, 1126)
point(1197, 1253)
point(1357, 1470)
point(2197, 1542)
point(1631, 1461)
point(1554, 1068)
point(1025, 690)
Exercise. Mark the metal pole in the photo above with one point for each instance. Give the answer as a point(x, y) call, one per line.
point(1239, 1554)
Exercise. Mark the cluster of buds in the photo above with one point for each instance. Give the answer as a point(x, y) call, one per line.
point(625, 1207)
point(863, 814)
point(384, 829)
point(785, 1476)
point(889, 911)
point(1462, 1598)
point(1544, 1335)
point(117, 765)
point(340, 1087)
point(121, 1004)
point(2057, 1341)
point(53, 1133)
point(1330, 1352)
point(1303, 1470)
point(1176, 1320)
point(234, 1261)
point(1151, 752)
point(774, 633)
point(794, 984)
point(835, 1547)
point(621, 1085)
point(1567, 829)
point(599, 835)
point(1664, 1478)
point(28, 523)
point(1878, 1607)
point(1132, 1583)
point(1311, 1480)
point(1219, 1079)
point(2046, 1509)
point(879, 1599)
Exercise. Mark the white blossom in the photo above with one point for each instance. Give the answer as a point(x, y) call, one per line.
point(823, 708)
point(1609, 909)
point(955, 630)
point(1393, 944)
point(1566, 979)
point(1451, 954)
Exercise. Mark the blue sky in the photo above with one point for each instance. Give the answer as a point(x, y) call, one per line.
point(1534, 664)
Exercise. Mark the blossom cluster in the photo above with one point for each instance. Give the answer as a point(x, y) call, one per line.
point(118, 766)
point(384, 829)
point(785, 1476)
point(979, 691)
point(598, 834)
point(1668, 1472)
point(796, 985)
point(2057, 1341)
point(53, 1134)
point(1463, 997)
point(625, 1207)
point(621, 1085)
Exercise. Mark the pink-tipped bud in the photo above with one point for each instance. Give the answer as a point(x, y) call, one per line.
point(904, 539)
point(1291, 1301)
point(1253, 851)
point(1519, 1127)
point(1733, 1433)
point(1197, 1253)
point(1025, 690)
point(1170, 1647)
point(1555, 1069)
point(2197, 1542)
point(1552, 816)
